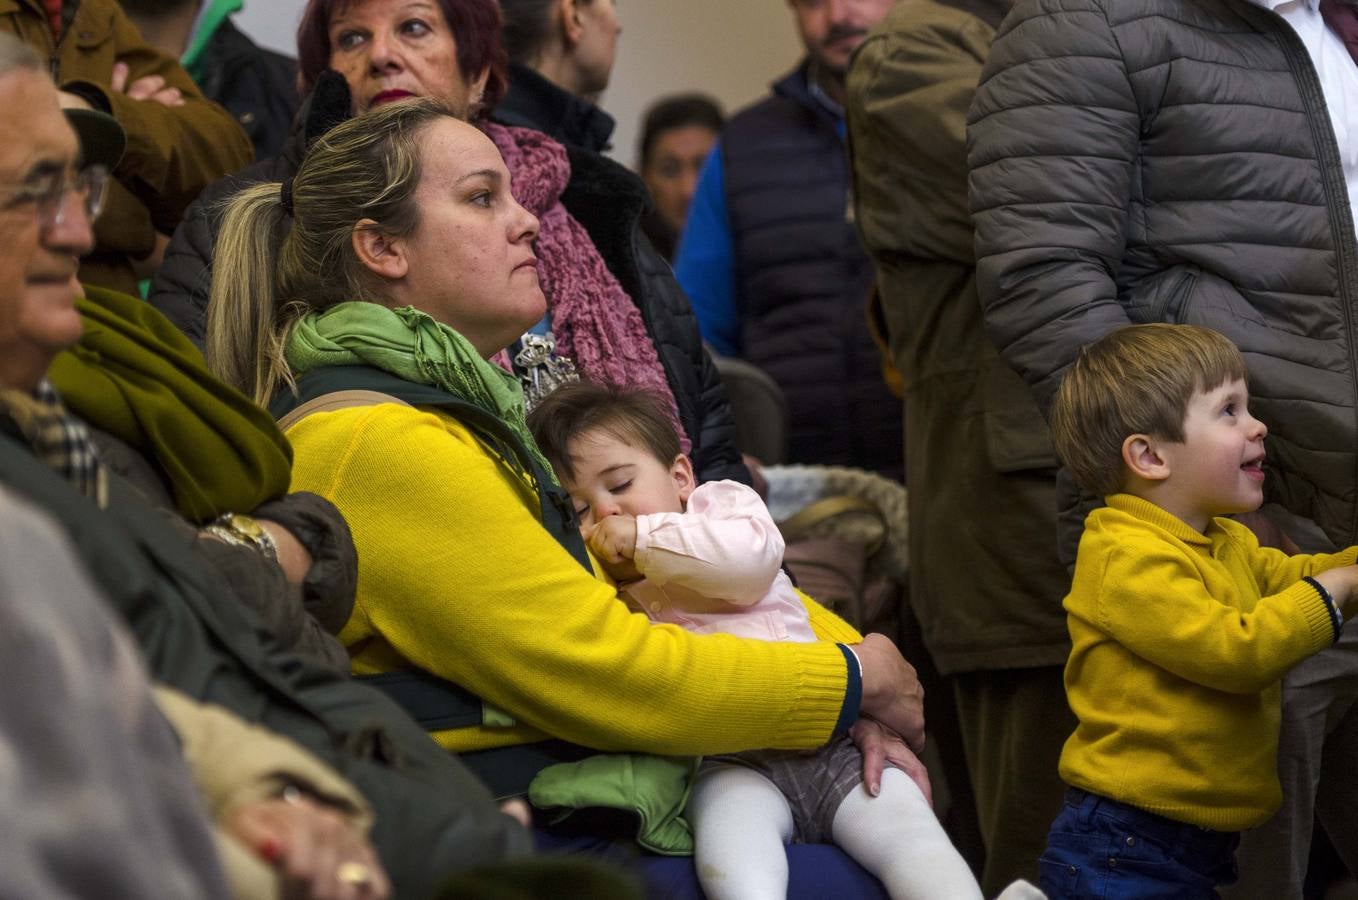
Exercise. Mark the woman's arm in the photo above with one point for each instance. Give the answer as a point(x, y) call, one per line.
point(460, 578)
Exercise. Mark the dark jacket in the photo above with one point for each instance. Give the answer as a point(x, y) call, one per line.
point(984, 577)
point(301, 618)
point(1174, 161)
point(257, 86)
point(183, 284)
point(172, 152)
point(534, 102)
point(607, 199)
point(804, 279)
point(432, 816)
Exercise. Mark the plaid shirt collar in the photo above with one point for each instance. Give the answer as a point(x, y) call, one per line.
point(57, 438)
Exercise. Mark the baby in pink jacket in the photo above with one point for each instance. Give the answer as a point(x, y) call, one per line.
point(708, 558)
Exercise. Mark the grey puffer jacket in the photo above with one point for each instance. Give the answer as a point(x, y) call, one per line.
point(1168, 160)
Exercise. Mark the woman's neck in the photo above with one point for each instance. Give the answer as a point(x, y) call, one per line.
point(555, 65)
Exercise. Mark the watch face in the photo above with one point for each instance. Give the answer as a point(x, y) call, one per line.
point(246, 526)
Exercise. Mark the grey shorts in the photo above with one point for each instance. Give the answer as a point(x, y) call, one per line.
point(815, 782)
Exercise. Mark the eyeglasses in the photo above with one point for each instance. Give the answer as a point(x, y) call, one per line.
point(48, 194)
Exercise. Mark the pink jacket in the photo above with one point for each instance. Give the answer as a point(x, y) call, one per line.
point(715, 568)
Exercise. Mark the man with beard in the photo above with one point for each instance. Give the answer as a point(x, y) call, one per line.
point(771, 261)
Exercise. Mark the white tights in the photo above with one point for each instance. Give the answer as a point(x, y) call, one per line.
point(741, 822)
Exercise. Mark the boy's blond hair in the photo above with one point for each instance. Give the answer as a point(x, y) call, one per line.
point(1137, 380)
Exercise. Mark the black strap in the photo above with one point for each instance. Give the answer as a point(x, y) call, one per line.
point(557, 510)
point(508, 771)
point(436, 703)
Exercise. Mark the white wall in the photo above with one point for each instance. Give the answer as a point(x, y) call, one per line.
point(731, 49)
point(272, 23)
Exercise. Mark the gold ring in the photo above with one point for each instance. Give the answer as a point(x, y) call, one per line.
point(355, 873)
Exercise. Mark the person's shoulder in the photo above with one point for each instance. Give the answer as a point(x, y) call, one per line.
point(1109, 530)
point(909, 21)
point(754, 110)
point(595, 174)
point(725, 494)
point(233, 58)
point(380, 428)
point(212, 201)
point(788, 93)
point(907, 47)
point(1069, 16)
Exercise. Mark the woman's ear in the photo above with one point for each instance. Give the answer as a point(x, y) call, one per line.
point(381, 253)
point(572, 28)
point(681, 470)
point(1145, 458)
point(476, 93)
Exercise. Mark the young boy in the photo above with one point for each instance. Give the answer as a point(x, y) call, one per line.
point(1181, 624)
point(707, 558)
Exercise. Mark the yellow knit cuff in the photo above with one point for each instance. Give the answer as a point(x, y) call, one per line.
point(1316, 610)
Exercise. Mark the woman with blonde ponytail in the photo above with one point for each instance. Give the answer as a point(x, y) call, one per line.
point(273, 264)
point(405, 264)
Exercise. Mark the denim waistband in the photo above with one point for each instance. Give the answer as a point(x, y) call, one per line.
point(1152, 826)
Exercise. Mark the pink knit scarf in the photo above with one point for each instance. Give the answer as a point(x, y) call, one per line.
point(595, 323)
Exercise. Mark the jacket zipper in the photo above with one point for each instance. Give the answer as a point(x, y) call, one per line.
point(54, 60)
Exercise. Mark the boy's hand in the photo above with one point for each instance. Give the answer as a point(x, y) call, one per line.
point(1341, 583)
point(614, 541)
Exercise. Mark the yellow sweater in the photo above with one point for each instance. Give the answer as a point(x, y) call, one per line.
point(458, 577)
point(1179, 640)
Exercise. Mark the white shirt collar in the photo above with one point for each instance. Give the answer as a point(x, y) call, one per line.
point(1313, 5)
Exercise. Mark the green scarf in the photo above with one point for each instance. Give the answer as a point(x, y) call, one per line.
point(209, 20)
point(410, 345)
point(134, 375)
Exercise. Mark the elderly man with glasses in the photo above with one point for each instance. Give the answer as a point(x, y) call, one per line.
point(179, 142)
point(433, 818)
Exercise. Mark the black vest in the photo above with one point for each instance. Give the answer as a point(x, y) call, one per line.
point(804, 280)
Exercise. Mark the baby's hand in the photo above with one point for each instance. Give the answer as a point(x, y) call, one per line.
point(614, 541)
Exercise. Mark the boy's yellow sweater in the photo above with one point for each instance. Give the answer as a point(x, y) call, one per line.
point(458, 577)
point(1179, 641)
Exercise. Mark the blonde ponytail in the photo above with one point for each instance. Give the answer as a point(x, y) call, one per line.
point(244, 342)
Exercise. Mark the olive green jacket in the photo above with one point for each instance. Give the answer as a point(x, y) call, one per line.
point(985, 581)
point(172, 152)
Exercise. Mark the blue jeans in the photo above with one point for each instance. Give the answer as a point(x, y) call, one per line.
point(1101, 848)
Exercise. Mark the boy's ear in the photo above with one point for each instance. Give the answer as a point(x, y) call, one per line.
point(682, 473)
point(381, 253)
point(1144, 457)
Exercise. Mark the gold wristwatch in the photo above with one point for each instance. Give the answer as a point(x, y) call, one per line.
point(244, 531)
